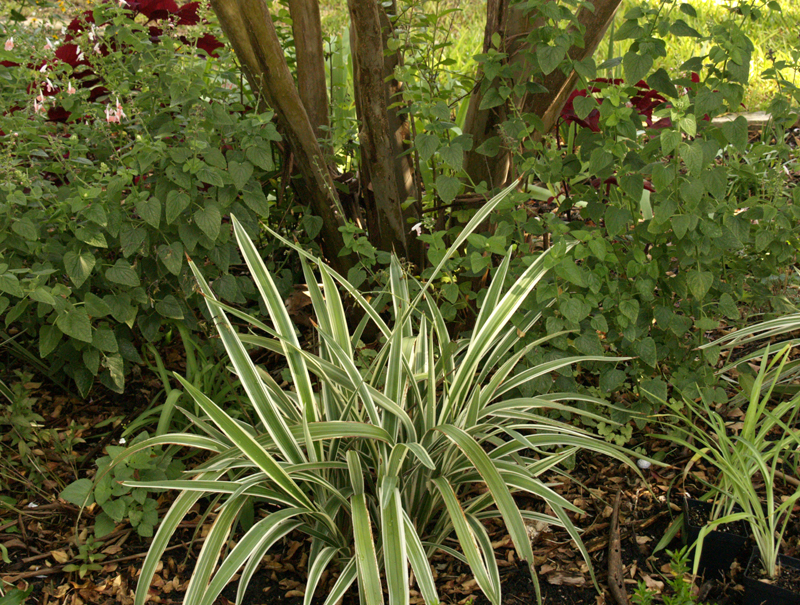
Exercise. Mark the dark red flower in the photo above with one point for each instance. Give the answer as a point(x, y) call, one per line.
point(187, 14)
point(78, 24)
point(155, 33)
point(97, 92)
point(153, 9)
point(58, 114)
point(210, 44)
point(71, 55)
point(9, 64)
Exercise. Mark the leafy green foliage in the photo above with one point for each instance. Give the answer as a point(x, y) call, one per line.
point(681, 588)
point(118, 502)
point(98, 211)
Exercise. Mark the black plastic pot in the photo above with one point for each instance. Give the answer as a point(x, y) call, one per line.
point(721, 547)
point(757, 592)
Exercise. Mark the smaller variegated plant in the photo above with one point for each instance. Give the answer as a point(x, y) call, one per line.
point(746, 461)
point(379, 467)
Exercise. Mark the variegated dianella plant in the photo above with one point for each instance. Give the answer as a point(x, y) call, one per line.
point(380, 466)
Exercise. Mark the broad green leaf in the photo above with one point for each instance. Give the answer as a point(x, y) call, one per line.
point(736, 132)
point(131, 240)
point(660, 81)
point(172, 256)
point(78, 492)
point(104, 340)
point(211, 175)
point(630, 308)
point(96, 307)
point(9, 284)
point(122, 273)
point(699, 283)
point(49, 337)
point(150, 211)
point(646, 350)
point(74, 322)
point(177, 202)
point(583, 106)
point(169, 307)
point(208, 219)
point(655, 390)
point(633, 185)
point(254, 198)
point(240, 173)
point(681, 224)
point(490, 147)
point(636, 65)
point(426, 144)
point(79, 266)
point(491, 98)
point(26, 229)
point(670, 139)
point(550, 57)
point(260, 156)
point(680, 28)
point(447, 187)
point(692, 155)
point(617, 220)
point(453, 156)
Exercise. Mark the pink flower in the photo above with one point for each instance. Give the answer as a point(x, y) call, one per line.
point(40, 98)
point(113, 116)
point(9, 45)
point(70, 88)
point(49, 45)
point(38, 107)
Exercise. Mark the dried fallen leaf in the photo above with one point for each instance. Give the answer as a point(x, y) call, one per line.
point(60, 556)
point(560, 579)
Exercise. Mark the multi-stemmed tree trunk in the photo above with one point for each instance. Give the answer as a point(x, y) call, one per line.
point(387, 176)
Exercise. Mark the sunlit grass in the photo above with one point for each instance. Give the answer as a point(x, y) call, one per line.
point(774, 35)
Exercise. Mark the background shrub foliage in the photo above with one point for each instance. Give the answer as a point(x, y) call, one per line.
point(680, 221)
point(98, 216)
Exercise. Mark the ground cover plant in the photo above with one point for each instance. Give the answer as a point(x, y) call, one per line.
point(130, 138)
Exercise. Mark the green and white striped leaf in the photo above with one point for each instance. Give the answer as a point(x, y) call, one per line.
point(249, 377)
point(248, 445)
point(466, 539)
point(369, 578)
